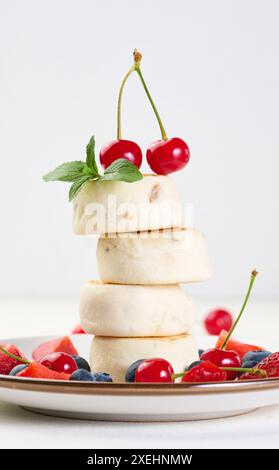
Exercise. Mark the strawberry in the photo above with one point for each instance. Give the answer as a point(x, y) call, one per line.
point(270, 365)
point(63, 344)
point(78, 330)
point(38, 371)
point(7, 363)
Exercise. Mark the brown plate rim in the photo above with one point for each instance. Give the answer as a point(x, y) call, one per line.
point(153, 389)
point(131, 389)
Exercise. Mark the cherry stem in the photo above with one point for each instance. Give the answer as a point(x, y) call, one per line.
point(137, 57)
point(251, 370)
point(260, 372)
point(119, 133)
point(253, 277)
point(178, 375)
point(13, 356)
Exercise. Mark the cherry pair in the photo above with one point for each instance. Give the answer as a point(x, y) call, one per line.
point(164, 156)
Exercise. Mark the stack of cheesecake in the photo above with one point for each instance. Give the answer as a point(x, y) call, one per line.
point(138, 310)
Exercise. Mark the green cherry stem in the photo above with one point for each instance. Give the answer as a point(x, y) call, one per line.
point(137, 59)
point(13, 356)
point(251, 370)
point(178, 375)
point(252, 280)
point(119, 132)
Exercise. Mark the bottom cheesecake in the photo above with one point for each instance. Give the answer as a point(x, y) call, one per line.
point(114, 355)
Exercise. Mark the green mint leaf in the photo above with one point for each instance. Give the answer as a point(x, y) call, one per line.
point(122, 170)
point(78, 185)
point(68, 172)
point(90, 156)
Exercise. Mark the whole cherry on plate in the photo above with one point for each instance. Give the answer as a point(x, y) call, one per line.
point(218, 320)
point(166, 155)
point(205, 372)
point(59, 362)
point(154, 370)
point(222, 357)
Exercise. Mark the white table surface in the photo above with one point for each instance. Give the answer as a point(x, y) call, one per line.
point(20, 428)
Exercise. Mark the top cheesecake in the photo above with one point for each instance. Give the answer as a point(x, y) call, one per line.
point(116, 206)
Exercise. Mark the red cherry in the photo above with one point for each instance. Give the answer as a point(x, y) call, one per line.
point(167, 156)
point(78, 330)
point(120, 149)
point(218, 320)
point(154, 370)
point(205, 372)
point(223, 358)
point(59, 362)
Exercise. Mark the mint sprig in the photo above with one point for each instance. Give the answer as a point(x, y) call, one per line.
point(79, 173)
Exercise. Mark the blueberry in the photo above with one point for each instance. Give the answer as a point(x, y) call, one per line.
point(194, 364)
point(81, 363)
point(17, 369)
point(200, 352)
point(82, 375)
point(254, 357)
point(101, 377)
point(249, 364)
point(131, 371)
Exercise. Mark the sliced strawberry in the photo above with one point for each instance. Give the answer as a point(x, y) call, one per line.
point(7, 363)
point(38, 371)
point(237, 346)
point(270, 364)
point(78, 330)
point(63, 344)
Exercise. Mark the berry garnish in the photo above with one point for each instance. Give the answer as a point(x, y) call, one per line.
point(269, 365)
point(218, 320)
point(63, 344)
point(59, 362)
point(81, 363)
point(205, 372)
point(17, 369)
point(82, 375)
point(131, 371)
point(79, 173)
point(252, 358)
point(120, 149)
point(101, 377)
point(223, 358)
point(10, 356)
point(200, 352)
point(194, 364)
point(167, 155)
point(154, 370)
point(78, 330)
point(237, 346)
point(38, 371)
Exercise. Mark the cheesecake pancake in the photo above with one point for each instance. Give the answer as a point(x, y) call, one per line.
point(161, 257)
point(116, 206)
point(130, 311)
point(114, 355)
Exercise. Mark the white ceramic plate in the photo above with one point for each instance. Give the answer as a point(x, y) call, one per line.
point(135, 402)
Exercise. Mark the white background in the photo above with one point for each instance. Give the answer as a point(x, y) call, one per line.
point(212, 67)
